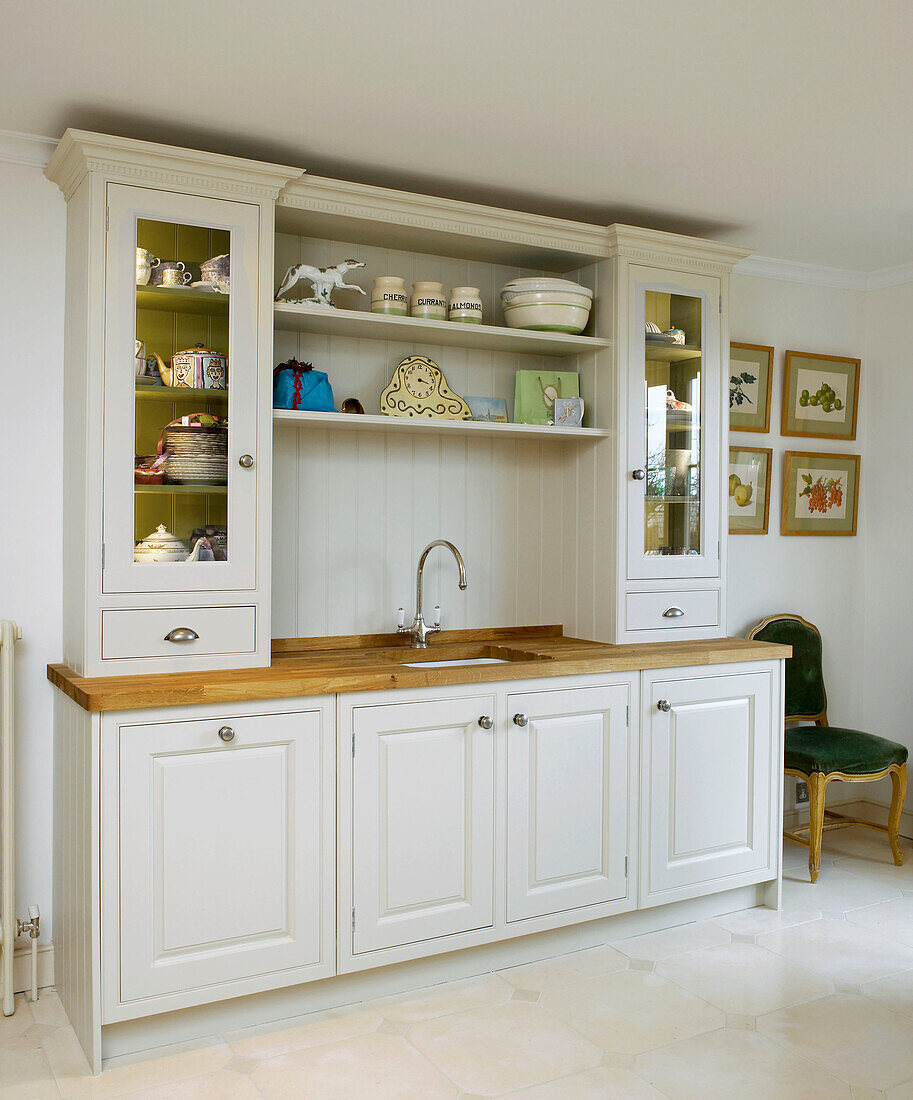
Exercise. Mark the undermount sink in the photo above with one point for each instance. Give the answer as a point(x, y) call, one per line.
point(454, 656)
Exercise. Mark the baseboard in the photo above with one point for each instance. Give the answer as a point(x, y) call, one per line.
point(22, 967)
point(865, 809)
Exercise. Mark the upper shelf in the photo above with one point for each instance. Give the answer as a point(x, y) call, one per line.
point(172, 299)
point(304, 317)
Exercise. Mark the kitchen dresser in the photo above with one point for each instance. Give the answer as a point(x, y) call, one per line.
point(263, 803)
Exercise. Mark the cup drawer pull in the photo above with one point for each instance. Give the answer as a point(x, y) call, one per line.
point(182, 634)
point(673, 613)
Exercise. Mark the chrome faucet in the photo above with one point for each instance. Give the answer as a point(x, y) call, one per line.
point(419, 630)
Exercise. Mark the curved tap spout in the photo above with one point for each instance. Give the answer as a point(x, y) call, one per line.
point(419, 630)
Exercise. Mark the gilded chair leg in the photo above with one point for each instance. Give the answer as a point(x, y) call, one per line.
point(817, 782)
point(899, 780)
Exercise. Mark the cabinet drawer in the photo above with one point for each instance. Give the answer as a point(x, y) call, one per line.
point(646, 610)
point(136, 634)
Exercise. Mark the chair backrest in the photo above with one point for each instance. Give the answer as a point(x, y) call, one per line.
point(806, 697)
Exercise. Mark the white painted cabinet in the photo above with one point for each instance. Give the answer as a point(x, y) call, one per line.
point(568, 797)
point(710, 781)
point(423, 798)
point(219, 856)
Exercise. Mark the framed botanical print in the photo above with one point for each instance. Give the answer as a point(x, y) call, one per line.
point(749, 490)
point(750, 377)
point(820, 396)
point(820, 493)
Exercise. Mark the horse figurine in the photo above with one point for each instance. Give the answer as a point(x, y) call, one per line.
point(324, 279)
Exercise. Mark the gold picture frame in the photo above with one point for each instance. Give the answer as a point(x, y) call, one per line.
point(820, 396)
point(749, 512)
point(820, 493)
point(751, 371)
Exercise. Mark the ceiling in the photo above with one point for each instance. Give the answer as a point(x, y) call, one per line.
point(780, 125)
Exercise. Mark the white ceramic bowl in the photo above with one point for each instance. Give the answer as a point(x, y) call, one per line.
point(546, 304)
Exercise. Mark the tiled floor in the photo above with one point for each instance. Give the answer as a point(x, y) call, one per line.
point(813, 1002)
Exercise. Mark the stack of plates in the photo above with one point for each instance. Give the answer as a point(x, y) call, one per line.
point(197, 456)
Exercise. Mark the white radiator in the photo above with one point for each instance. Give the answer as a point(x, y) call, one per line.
point(10, 633)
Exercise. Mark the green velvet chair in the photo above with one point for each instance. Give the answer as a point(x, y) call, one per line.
point(820, 754)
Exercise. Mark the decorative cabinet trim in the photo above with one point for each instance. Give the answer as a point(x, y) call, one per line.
point(659, 249)
point(80, 152)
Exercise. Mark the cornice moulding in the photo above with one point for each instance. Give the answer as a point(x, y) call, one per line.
point(81, 152)
point(654, 246)
point(889, 276)
point(29, 149)
point(792, 271)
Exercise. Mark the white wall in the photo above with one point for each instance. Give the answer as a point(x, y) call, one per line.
point(821, 578)
point(32, 235)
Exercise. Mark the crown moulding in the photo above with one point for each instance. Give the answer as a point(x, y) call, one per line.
point(655, 246)
point(80, 152)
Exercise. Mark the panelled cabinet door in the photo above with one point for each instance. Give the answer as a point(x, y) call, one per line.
point(223, 851)
point(199, 492)
point(567, 799)
point(707, 784)
point(673, 481)
point(423, 821)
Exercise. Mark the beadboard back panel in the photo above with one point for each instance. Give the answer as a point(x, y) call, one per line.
point(353, 510)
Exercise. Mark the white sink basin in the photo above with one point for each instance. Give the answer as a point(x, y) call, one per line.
point(454, 664)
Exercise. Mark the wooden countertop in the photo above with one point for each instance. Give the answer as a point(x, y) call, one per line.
point(329, 666)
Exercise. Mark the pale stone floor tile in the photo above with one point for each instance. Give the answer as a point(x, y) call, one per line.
point(602, 1083)
point(852, 841)
point(835, 889)
point(729, 1063)
point(444, 999)
point(503, 1047)
point(631, 1012)
point(24, 1071)
point(526, 995)
point(901, 1092)
point(868, 1094)
point(221, 1085)
point(743, 979)
point(840, 951)
point(673, 941)
point(13, 1027)
point(48, 1009)
point(893, 919)
point(323, 1027)
point(565, 969)
point(894, 993)
point(849, 1036)
point(372, 1067)
point(879, 866)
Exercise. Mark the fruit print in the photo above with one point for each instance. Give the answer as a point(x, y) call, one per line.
point(823, 494)
point(826, 398)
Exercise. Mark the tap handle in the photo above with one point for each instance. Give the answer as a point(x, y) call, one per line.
point(437, 615)
point(400, 617)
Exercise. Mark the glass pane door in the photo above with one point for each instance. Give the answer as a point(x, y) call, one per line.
point(673, 425)
point(181, 392)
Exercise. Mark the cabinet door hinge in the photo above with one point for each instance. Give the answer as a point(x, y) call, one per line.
point(106, 219)
point(353, 920)
point(721, 303)
point(628, 715)
point(353, 743)
point(102, 555)
point(626, 866)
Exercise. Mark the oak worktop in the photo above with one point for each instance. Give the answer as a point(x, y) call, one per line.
point(376, 662)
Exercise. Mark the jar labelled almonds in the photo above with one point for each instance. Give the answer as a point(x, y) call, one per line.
point(428, 301)
point(466, 305)
point(389, 296)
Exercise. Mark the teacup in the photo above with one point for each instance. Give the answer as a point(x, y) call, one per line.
point(158, 273)
point(145, 262)
point(173, 276)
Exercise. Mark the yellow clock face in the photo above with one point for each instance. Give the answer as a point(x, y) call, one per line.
point(419, 381)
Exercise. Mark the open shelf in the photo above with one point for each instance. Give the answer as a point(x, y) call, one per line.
point(172, 393)
point(171, 299)
point(423, 425)
point(670, 353)
point(196, 490)
point(673, 500)
point(304, 317)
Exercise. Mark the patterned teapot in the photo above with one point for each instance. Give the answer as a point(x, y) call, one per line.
point(162, 546)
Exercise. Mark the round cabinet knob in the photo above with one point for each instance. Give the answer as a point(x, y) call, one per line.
point(486, 722)
point(638, 475)
point(664, 705)
point(227, 734)
point(246, 461)
point(521, 720)
point(182, 634)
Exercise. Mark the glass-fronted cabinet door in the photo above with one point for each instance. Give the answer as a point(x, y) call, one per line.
point(673, 498)
point(180, 392)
